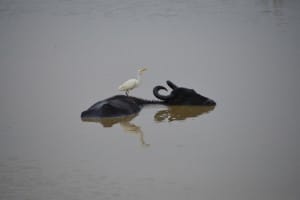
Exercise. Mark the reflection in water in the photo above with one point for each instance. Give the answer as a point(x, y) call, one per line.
point(181, 112)
point(171, 113)
point(134, 129)
point(124, 123)
point(108, 121)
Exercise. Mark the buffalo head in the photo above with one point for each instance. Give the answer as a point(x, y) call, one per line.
point(182, 96)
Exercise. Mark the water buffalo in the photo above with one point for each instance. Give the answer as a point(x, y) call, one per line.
point(182, 96)
point(121, 105)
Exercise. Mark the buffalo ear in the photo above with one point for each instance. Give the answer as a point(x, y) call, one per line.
point(171, 85)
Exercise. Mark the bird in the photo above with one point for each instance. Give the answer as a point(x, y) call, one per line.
point(132, 83)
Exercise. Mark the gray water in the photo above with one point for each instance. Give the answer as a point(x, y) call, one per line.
point(59, 57)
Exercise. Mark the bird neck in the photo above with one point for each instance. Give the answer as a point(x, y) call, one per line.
point(139, 76)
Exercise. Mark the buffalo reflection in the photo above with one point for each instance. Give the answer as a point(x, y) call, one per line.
point(108, 121)
point(124, 122)
point(170, 113)
point(173, 113)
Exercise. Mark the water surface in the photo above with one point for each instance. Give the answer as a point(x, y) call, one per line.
point(57, 58)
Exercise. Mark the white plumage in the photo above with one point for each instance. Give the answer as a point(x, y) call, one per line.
point(132, 83)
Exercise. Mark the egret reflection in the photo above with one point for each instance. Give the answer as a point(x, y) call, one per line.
point(169, 114)
point(131, 128)
point(124, 122)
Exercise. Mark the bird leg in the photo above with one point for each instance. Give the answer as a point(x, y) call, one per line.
point(126, 92)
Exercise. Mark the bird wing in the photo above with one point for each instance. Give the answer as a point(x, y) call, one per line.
point(128, 85)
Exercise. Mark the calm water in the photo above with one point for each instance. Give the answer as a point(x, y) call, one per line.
point(59, 57)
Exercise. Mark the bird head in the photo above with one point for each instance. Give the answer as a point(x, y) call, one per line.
point(141, 70)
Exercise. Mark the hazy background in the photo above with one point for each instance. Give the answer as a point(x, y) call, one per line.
point(59, 57)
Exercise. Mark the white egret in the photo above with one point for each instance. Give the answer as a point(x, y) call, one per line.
point(132, 83)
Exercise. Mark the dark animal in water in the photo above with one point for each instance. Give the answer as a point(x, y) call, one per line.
point(116, 106)
point(121, 105)
point(182, 96)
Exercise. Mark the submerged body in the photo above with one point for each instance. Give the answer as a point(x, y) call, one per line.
point(116, 106)
point(121, 105)
point(182, 96)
